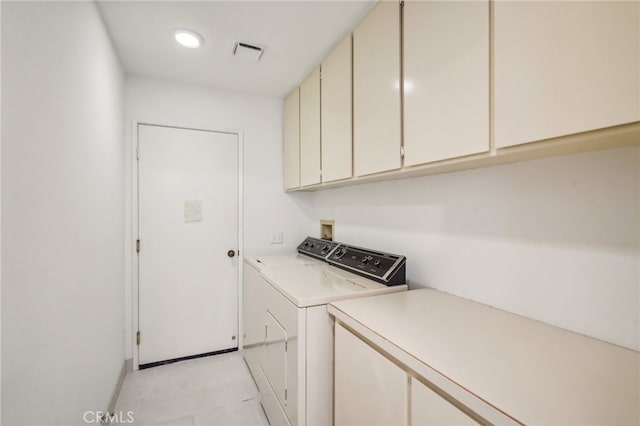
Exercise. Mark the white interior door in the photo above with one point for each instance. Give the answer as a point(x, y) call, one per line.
point(188, 221)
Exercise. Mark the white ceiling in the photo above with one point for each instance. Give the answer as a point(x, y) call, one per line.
point(297, 35)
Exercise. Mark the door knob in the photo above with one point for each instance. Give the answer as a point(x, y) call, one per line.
point(231, 253)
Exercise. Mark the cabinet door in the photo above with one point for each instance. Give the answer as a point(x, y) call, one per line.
point(292, 140)
point(337, 113)
point(564, 67)
point(376, 90)
point(369, 389)
point(446, 79)
point(310, 129)
point(429, 408)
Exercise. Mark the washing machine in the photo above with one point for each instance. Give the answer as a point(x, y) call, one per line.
point(311, 251)
point(290, 353)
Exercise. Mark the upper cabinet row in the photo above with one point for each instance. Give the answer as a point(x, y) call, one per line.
point(316, 109)
point(419, 82)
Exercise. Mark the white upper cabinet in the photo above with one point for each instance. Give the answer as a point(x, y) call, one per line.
point(376, 90)
point(336, 113)
point(564, 67)
point(292, 140)
point(446, 79)
point(310, 129)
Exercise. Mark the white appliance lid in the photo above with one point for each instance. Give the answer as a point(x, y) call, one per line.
point(312, 284)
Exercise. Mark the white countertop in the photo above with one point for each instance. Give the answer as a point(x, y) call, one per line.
point(311, 284)
point(532, 372)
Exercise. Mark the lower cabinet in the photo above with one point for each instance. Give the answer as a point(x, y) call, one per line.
point(371, 389)
point(429, 408)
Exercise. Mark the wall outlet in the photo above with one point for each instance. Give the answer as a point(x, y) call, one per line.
point(276, 238)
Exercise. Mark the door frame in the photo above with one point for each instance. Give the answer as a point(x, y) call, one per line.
point(135, 275)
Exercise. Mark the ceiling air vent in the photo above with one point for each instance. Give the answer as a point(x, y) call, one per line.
point(247, 51)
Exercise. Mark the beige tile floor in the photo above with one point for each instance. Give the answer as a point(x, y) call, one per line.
point(216, 390)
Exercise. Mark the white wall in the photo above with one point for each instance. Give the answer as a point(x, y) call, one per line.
point(267, 209)
point(555, 239)
point(0, 215)
point(62, 192)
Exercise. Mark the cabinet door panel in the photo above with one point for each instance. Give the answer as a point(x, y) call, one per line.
point(369, 389)
point(429, 408)
point(564, 67)
point(310, 129)
point(336, 113)
point(446, 80)
point(292, 140)
point(376, 90)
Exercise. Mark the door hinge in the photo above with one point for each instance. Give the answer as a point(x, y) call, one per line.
point(138, 152)
point(402, 151)
point(138, 338)
point(285, 394)
point(137, 246)
point(286, 346)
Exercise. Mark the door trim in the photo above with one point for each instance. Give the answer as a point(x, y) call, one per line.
point(135, 225)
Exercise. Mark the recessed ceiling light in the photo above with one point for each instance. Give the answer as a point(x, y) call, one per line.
point(188, 38)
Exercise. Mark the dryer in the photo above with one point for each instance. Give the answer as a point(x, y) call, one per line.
point(292, 361)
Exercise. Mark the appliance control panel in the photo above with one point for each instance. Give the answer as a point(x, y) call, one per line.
point(317, 248)
point(385, 268)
